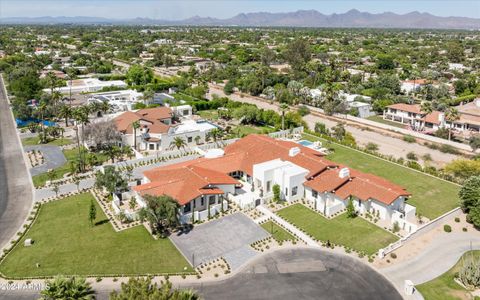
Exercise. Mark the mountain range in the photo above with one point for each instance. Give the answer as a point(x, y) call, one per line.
point(302, 18)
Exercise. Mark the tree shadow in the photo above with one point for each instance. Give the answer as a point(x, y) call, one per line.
point(101, 222)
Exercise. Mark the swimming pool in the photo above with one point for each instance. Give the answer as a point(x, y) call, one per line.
point(305, 143)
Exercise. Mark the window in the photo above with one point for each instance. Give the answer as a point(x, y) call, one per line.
point(187, 207)
point(190, 139)
point(202, 202)
point(151, 146)
point(314, 194)
point(294, 190)
point(185, 112)
point(211, 200)
point(269, 183)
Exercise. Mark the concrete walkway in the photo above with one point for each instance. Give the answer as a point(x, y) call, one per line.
point(308, 240)
point(435, 260)
point(52, 155)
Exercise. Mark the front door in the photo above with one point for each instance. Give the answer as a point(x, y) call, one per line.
point(257, 202)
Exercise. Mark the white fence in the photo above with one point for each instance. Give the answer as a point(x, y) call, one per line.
point(420, 231)
point(286, 133)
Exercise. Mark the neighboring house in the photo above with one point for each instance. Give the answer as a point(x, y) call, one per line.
point(363, 107)
point(409, 86)
point(247, 170)
point(160, 126)
point(411, 114)
point(88, 85)
point(118, 100)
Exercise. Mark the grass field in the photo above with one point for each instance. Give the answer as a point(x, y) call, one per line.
point(277, 232)
point(208, 114)
point(70, 155)
point(444, 287)
point(65, 243)
point(379, 119)
point(431, 196)
point(31, 141)
point(355, 233)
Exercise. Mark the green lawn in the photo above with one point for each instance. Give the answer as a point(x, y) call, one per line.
point(431, 196)
point(65, 243)
point(31, 141)
point(243, 130)
point(444, 287)
point(379, 119)
point(355, 233)
point(70, 155)
point(208, 114)
point(277, 232)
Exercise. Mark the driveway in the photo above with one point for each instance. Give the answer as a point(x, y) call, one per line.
point(228, 237)
point(302, 274)
point(52, 155)
point(15, 183)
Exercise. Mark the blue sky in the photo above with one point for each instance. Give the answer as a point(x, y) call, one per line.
point(180, 9)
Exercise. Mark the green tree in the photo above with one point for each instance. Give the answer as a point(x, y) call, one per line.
point(474, 142)
point(276, 193)
point(161, 212)
point(143, 288)
point(139, 75)
point(283, 109)
point(451, 115)
point(470, 193)
point(65, 112)
point(110, 179)
point(178, 142)
point(92, 214)
point(63, 288)
point(351, 213)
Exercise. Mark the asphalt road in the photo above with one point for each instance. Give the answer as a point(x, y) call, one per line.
point(303, 274)
point(15, 185)
point(52, 155)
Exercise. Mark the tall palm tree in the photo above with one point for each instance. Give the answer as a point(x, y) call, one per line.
point(283, 109)
point(426, 107)
point(66, 112)
point(42, 108)
point(148, 95)
point(178, 143)
point(451, 115)
point(81, 116)
point(62, 287)
point(215, 133)
point(135, 126)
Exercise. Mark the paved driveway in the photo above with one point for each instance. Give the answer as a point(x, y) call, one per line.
point(52, 155)
point(229, 237)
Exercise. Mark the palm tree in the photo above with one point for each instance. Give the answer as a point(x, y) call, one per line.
point(178, 143)
point(215, 133)
point(41, 108)
point(451, 115)
point(426, 107)
point(135, 126)
point(81, 116)
point(104, 107)
point(283, 109)
point(62, 287)
point(66, 112)
point(148, 95)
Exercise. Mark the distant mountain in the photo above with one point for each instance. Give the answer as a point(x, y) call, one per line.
point(301, 18)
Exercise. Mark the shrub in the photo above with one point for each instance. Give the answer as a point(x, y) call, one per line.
point(393, 255)
point(395, 227)
point(412, 156)
point(457, 219)
point(469, 274)
point(464, 229)
point(447, 228)
point(371, 146)
point(409, 139)
point(448, 149)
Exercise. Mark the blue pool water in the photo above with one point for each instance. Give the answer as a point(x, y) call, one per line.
point(305, 143)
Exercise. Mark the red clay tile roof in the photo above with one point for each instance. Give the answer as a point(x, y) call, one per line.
point(413, 108)
point(187, 180)
point(150, 118)
point(433, 117)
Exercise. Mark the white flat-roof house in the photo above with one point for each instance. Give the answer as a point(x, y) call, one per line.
point(118, 100)
point(88, 85)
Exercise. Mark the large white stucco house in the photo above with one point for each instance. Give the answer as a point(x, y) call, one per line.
point(246, 171)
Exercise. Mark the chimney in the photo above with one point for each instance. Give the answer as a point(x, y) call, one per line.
point(344, 172)
point(293, 151)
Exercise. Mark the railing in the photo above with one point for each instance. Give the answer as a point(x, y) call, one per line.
point(286, 133)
